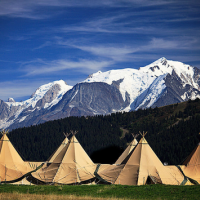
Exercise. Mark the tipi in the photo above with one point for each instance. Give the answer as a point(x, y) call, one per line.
point(140, 167)
point(12, 167)
point(126, 152)
point(59, 149)
point(191, 166)
point(71, 165)
point(131, 146)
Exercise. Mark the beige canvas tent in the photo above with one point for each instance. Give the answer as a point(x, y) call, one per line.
point(191, 166)
point(126, 152)
point(35, 165)
point(71, 165)
point(140, 167)
point(131, 146)
point(12, 167)
point(58, 150)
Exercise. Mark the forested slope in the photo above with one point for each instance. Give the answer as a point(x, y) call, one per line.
point(173, 133)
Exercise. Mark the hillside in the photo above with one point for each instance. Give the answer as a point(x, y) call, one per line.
point(173, 133)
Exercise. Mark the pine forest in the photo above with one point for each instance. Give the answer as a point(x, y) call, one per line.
point(172, 132)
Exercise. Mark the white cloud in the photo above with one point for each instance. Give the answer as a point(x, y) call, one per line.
point(46, 44)
point(154, 22)
point(156, 32)
point(181, 43)
point(20, 8)
point(39, 67)
point(115, 53)
point(119, 23)
point(35, 9)
point(125, 53)
point(159, 43)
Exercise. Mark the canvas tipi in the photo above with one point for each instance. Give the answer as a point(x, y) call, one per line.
point(131, 146)
point(191, 166)
point(71, 165)
point(59, 149)
point(12, 167)
point(126, 152)
point(140, 167)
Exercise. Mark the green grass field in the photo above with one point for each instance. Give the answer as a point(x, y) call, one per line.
point(107, 191)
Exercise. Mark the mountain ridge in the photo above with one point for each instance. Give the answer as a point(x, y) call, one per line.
point(160, 83)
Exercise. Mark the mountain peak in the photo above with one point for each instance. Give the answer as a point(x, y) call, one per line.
point(10, 99)
point(163, 66)
point(160, 60)
point(94, 74)
point(44, 88)
point(157, 65)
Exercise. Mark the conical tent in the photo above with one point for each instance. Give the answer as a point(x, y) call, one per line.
point(191, 166)
point(126, 152)
point(12, 167)
point(70, 166)
point(58, 150)
point(140, 167)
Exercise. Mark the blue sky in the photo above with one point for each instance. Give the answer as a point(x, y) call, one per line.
point(46, 40)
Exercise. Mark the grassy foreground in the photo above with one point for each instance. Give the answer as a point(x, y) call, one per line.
point(99, 192)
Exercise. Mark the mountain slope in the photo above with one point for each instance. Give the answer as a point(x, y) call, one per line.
point(163, 82)
point(90, 99)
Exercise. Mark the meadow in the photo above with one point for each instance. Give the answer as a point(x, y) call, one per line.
point(98, 192)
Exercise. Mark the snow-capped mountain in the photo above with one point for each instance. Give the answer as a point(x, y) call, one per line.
point(146, 85)
point(43, 98)
point(163, 82)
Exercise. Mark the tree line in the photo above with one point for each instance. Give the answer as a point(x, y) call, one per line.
point(173, 132)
